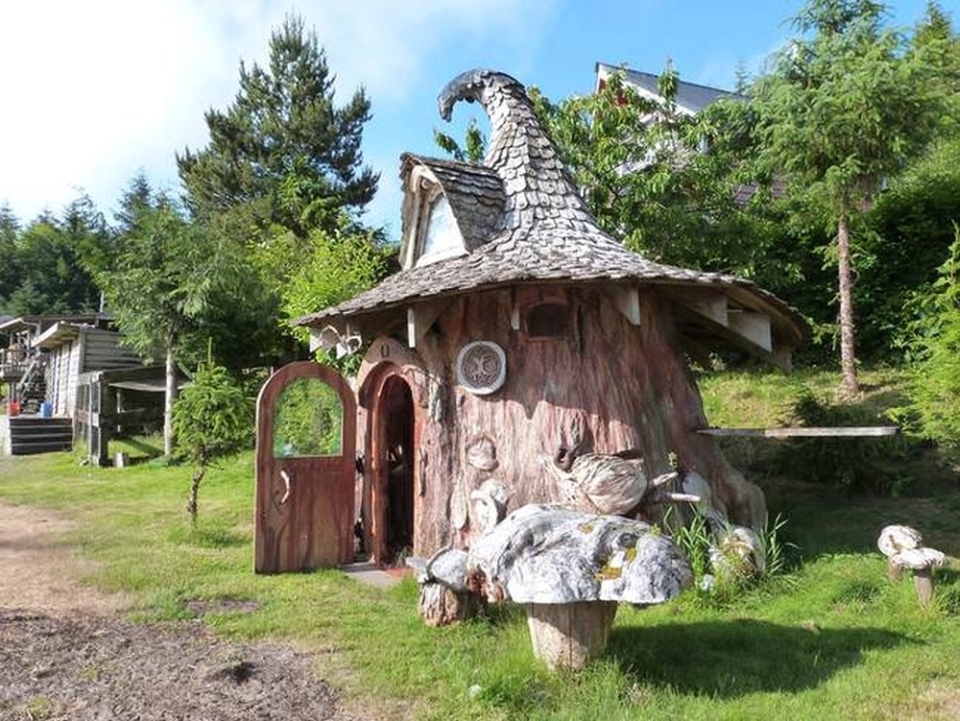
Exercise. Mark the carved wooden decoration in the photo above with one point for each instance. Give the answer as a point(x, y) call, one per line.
point(481, 367)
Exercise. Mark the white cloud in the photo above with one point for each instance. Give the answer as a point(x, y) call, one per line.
point(95, 90)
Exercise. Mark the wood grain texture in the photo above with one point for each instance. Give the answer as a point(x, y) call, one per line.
point(622, 385)
point(306, 521)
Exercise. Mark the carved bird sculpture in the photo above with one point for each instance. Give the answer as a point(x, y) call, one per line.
point(611, 484)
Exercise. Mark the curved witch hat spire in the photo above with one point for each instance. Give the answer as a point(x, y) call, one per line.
point(535, 180)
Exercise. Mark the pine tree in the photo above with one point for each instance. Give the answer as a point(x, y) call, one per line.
point(283, 150)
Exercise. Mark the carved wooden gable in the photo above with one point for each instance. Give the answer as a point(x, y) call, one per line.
point(449, 209)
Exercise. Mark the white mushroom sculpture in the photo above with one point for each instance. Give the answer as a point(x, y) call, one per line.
point(904, 548)
point(571, 569)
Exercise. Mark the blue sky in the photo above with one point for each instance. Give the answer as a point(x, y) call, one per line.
point(95, 91)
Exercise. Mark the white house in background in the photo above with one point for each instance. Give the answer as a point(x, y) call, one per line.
point(691, 98)
point(71, 349)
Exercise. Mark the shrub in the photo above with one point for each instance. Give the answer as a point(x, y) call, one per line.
point(212, 418)
point(937, 387)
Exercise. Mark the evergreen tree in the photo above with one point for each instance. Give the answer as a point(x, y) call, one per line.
point(161, 283)
point(844, 108)
point(48, 275)
point(283, 149)
point(9, 263)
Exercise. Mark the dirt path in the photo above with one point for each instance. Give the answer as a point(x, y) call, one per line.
point(67, 652)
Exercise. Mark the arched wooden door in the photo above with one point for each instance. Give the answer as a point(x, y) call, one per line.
point(306, 461)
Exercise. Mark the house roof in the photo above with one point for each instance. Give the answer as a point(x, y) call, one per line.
point(41, 321)
point(544, 231)
point(691, 97)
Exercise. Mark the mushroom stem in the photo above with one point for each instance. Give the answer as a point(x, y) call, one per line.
point(923, 582)
point(894, 570)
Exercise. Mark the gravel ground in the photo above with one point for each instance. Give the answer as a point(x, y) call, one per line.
point(67, 652)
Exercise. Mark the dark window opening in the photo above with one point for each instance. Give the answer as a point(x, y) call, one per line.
point(548, 320)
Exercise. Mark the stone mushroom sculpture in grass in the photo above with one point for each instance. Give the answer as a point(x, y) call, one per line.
point(904, 548)
point(571, 569)
point(444, 596)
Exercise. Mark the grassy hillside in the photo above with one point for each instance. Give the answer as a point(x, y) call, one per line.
point(831, 639)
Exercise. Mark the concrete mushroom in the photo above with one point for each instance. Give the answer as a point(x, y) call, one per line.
point(894, 539)
point(921, 561)
point(904, 548)
point(571, 569)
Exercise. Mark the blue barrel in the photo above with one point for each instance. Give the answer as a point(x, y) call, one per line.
point(46, 409)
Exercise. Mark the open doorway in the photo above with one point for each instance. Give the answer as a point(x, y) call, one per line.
point(396, 405)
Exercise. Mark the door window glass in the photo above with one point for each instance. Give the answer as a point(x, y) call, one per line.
point(308, 420)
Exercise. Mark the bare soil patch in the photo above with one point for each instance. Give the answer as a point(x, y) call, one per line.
point(67, 652)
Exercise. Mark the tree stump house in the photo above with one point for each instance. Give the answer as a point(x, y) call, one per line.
point(515, 325)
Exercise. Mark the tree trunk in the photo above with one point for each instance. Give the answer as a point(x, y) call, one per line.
point(442, 606)
point(169, 397)
point(195, 493)
point(849, 384)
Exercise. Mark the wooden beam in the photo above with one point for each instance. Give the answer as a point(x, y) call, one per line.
point(712, 306)
point(755, 327)
point(745, 329)
point(627, 301)
point(803, 432)
point(420, 317)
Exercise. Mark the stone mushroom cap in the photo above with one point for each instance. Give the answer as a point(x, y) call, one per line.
point(448, 567)
point(894, 539)
point(550, 555)
point(919, 559)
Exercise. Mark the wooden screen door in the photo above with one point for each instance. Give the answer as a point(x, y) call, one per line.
point(306, 456)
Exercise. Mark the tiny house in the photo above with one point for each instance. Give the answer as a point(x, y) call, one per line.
point(515, 326)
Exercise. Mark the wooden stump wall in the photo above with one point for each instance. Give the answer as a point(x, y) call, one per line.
point(623, 386)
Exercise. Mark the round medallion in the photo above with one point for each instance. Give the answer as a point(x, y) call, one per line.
point(481, 367)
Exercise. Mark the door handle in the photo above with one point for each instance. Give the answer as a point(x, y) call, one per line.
point(286, 483)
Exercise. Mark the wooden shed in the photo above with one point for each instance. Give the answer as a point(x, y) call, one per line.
point(72, 348)
point(515, 325)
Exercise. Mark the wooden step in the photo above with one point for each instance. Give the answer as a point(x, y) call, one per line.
point(32, 434)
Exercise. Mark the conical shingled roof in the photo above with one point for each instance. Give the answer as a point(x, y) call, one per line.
point(544, 232)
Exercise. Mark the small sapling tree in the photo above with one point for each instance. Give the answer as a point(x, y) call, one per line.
point(212, 418)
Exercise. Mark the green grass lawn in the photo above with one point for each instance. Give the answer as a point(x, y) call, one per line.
point(833, 639)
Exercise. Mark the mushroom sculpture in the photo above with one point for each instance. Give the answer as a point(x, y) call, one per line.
point(904, 548)
point(444, 596)
point(571, 569)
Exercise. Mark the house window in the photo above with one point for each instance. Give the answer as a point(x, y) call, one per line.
point(548, 320)
point(441, 236)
